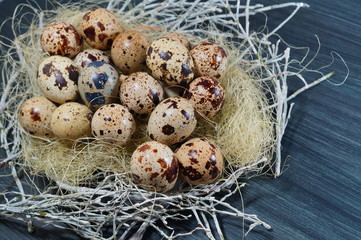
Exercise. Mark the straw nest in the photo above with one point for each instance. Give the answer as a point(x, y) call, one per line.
point(244, 129)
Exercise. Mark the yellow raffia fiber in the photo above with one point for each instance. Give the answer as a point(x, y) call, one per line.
point(244, 130)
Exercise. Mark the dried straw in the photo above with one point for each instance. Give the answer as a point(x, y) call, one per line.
point(244, 130)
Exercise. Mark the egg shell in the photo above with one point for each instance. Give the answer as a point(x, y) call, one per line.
point(140, 93)
point(129, 52)
point(35, 116)
point(60, 38)
point(90, 55)
point(154, 167)
point(58, 78)
point(113, 123)
point(200, 161)
point(71, 121)
point(169, 60)
point(122, 78)
point(172, 121)
point(210, 59)
point(100, 27)
point(98, 84)
point(179, 37)
point(206, 95)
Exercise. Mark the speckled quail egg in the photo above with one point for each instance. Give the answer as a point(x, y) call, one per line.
point(90, 55)
point(100, 27)
point(59, 38)
point(206, 95)
point(170, 61)
point(172, 121)
point(210, 59)
point(35, 116)
point(57, 79)
point(129, 52)
point(154, 167)
point(140, 93)
point(71, 121)
point(98, 84)
point(113, 123)
point(180, 38)
point(200, 161)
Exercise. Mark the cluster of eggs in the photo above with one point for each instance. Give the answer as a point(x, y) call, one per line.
point(89, 93)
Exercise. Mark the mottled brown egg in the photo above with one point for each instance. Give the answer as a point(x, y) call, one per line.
point(210, 59)
point(207, 96)
point(170, 61)
point(98, 84)
point(59, 38)
point(113, 123)
point(90, 55)
point(100, 27)
point(129, 52)
point(179, 37)
point(140, 93)
point(172, 121)
point(71, 121)
point(35, 116)
point(200, 161)
point(58, 78)
point(154, 167)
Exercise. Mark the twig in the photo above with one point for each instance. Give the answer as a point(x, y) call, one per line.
point(8, 159)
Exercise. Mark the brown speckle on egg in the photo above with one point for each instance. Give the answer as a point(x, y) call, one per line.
point(170, 61)
point(99, 84)
point(154, 167)
point(113, 123)
point(59, 38)
point(207, 96)
point(200, 161)
point(100, 27)
point(172, 121)
point(179, 37)
point(140, 93)
point(90, 55)
point(210, 59)
point(35, 116)
point(129, 51)
point(57, 79)
point(71, 121)
point(167, 129)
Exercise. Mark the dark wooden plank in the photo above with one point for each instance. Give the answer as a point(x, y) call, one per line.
point(318, 196)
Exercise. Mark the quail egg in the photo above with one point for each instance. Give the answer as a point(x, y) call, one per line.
point(59, 38)
point(140, 93)
point(90, 55)
point(154, 167)
point(113, 123)
point(98, 84)
point(172, 121)
point(179, 37)
point(206, 95)
point(200, 161)
point(57, 79)
point(35, 116)
point(100, 27)
point(71, 121)
point(129, 52)
point(170, 61)
point(210, 60)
